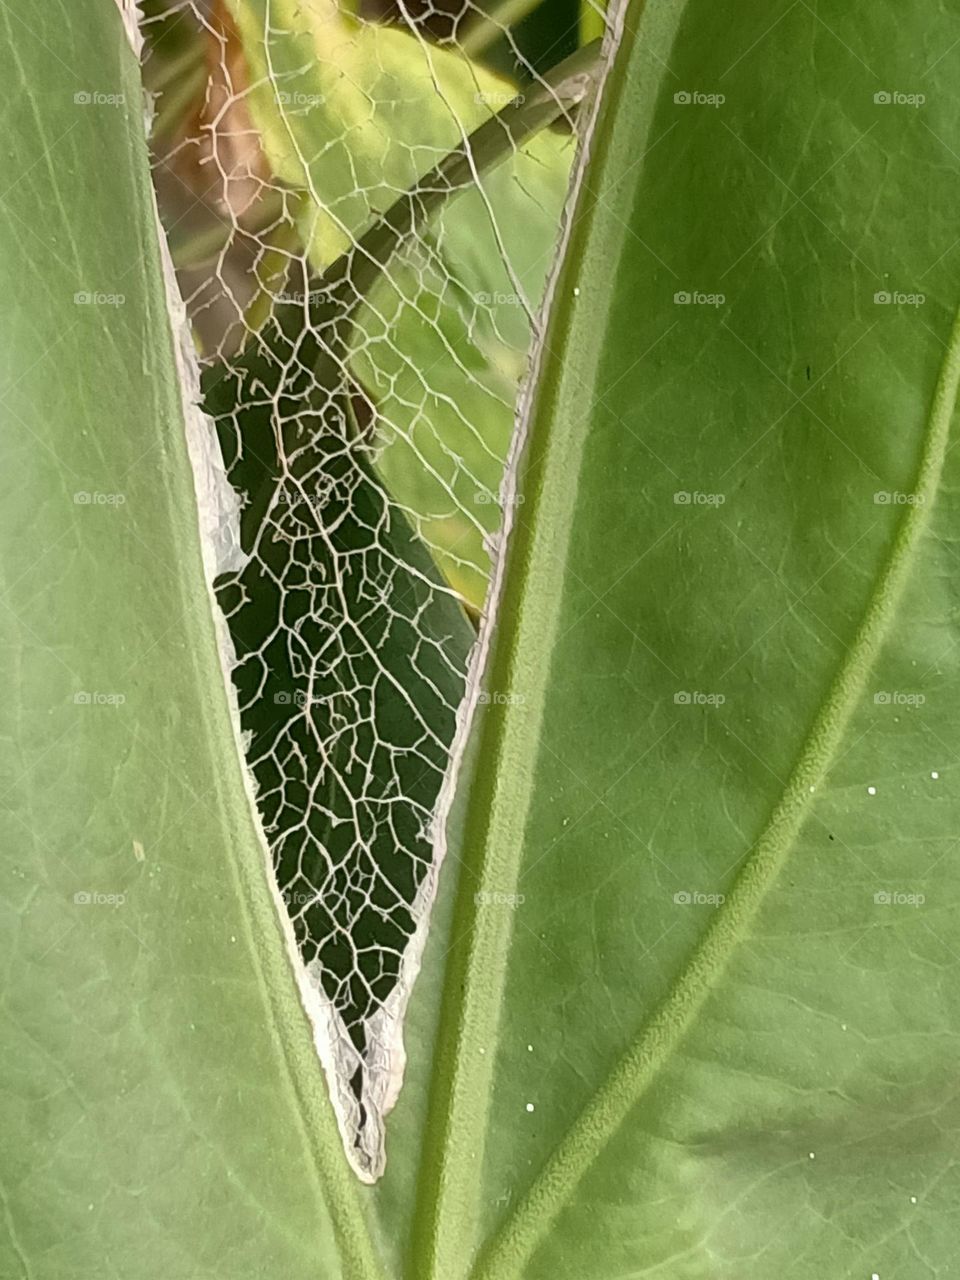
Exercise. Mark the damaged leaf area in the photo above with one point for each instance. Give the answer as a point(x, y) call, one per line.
point(349, 661)
point(479, 786)
point(361, 380)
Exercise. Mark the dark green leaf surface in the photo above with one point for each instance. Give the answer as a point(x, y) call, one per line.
point(350, 654)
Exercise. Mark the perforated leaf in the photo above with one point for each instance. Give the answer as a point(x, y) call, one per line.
point(687, 1002)
point(364, 425)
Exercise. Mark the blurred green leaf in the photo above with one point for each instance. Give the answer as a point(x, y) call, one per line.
point(354, 114)
point(441, 347)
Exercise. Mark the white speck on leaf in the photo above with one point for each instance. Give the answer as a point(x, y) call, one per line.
point(934, 775)
point(871, 791)
point(529, 1106)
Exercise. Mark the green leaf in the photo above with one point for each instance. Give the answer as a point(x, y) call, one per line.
point(440, 347)
point(700, 1012)
point(162, 1110)
point(612, 1072)
point(352, 114)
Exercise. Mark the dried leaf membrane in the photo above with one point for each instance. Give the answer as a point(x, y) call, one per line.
point(367, 457)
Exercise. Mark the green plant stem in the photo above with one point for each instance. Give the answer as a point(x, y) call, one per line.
point(488, 28)
point(352, 276)
point(444, 1232)
point(593, 20)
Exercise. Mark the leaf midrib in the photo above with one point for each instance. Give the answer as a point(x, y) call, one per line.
point(513, 1244)
point(445, 1225)
point(445, 1230)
